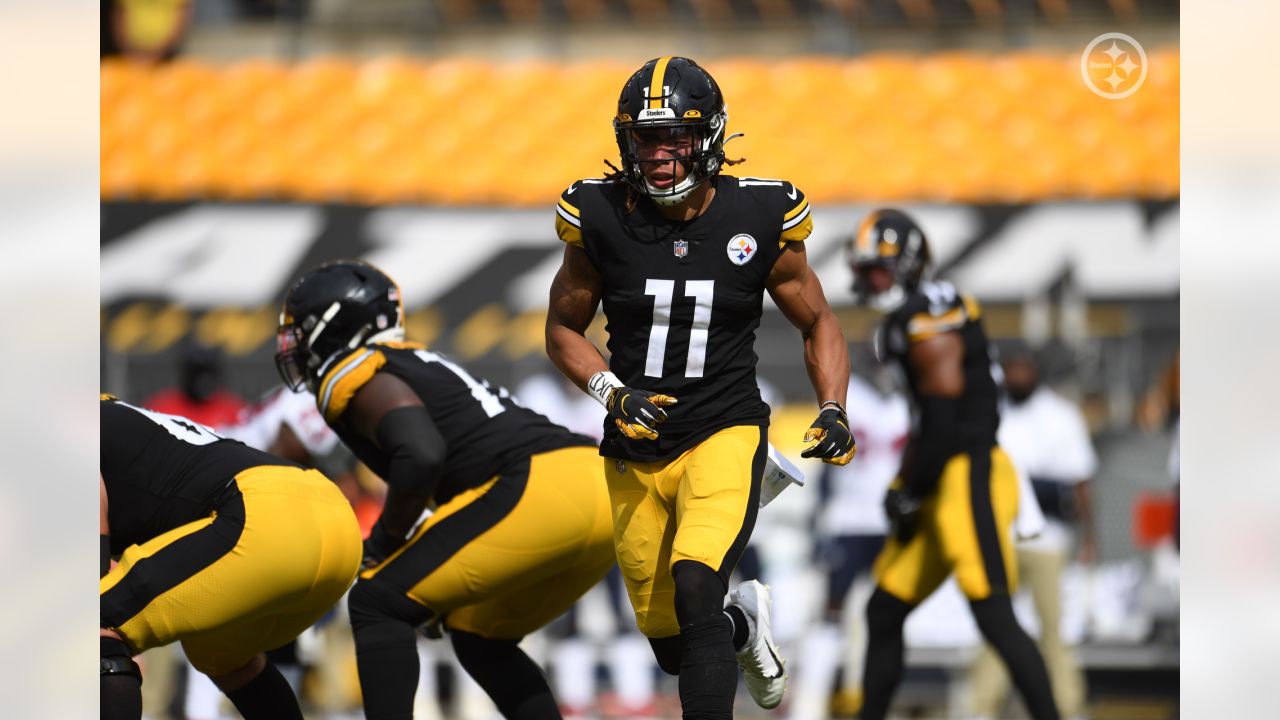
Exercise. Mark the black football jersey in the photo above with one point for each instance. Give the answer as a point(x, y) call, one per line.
point(484, 428)
point(683, 300)
point(936, 307)
point(163, 471)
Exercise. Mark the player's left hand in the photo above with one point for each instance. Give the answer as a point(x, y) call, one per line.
point(379, 545)
point(830, 437)
point(903, 510)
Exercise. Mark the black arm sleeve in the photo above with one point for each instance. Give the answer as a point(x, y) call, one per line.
point(415, 449)
point(104, 555)
point(940, 438)
point(416, 453)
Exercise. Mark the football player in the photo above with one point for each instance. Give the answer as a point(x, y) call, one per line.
point(680, 256)
point(521, 526)
point(952, 507)
point(227, 549)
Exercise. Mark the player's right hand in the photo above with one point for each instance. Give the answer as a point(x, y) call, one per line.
point(638, 413)
point(379, 546)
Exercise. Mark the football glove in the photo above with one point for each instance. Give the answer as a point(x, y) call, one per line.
point(903, 510)
point(830, 437)
point(637, 413)
point(379, 545)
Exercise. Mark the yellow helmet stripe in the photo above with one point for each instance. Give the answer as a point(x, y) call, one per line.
point(655, 82)
point(862, 241)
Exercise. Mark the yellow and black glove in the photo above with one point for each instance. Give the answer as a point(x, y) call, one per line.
point(831, 439)
point(638, 413)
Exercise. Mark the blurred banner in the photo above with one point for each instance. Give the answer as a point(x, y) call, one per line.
point(475, 281)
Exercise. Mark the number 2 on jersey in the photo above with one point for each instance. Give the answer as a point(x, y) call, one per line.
point(702, 292)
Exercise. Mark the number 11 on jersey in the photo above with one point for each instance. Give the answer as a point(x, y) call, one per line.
point(702, 292)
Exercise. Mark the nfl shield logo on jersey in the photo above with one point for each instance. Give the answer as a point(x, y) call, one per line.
point(681, 248)
point(742, 248)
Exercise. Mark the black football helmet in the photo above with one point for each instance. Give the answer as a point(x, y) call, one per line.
point(672, 93)
point(330, 311)
point(889, 239)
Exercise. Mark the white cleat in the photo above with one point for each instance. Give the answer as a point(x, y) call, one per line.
point(762, 665)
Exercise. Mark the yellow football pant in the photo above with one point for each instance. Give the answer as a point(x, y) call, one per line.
point(505, 558)
point(270, 561)
point(964, 527)
point(700, 506)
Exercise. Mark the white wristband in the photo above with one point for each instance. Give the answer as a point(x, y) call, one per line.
point(601, 384)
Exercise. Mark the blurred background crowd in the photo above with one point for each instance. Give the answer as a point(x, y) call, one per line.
point(243, 141)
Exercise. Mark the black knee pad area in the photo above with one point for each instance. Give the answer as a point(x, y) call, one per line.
point(995, 617)
point(699, 591)
point(117, 659)
point(372, 601)
point(885, 610)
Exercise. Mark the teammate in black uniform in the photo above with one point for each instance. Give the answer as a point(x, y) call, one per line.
point(521, 526)
point(225, 548)
point(953, 504)
point(681, 256)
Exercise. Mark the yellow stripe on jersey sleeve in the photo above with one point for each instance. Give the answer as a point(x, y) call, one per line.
point(342, 382)
point(796, 223)
point(923, 326)
point(568, 223)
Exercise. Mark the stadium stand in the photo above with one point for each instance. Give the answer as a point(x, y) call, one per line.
point(960, 127)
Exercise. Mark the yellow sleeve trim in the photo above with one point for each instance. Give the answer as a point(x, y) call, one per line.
point(571, 209)
point(569, 233)
point(804, 203)
point(971, 307)
point(797, 232)
point(923, 326)
point(104, 397)
point(345, 379)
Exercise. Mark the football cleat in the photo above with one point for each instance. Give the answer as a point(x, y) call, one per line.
point(762, 665)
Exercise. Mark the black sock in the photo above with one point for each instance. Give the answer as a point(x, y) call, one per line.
point(1000, 628)
point(119, 694)
point(740, 629)
point(267, 697)
point(708, 669)
point(513, 680)
point(387, 663)
point(882, 670)
point(383, 619)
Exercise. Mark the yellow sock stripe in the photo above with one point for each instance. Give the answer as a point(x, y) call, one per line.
point(863, 238)
point(655, 82)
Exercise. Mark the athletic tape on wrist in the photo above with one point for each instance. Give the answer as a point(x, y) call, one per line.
point(601, 384)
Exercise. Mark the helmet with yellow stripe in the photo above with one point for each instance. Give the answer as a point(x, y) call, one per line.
point(888, 256)
point(670, 129)
point(330, 311)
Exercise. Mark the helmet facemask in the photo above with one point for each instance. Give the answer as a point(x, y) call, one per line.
point(702, 160)
point(331, 311)
point(903, 258)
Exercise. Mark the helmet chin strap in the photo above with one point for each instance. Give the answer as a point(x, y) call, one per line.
point(677, 195)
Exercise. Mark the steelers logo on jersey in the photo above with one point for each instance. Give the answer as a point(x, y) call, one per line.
point(742, 248)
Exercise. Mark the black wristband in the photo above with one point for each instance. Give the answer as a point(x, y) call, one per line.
point(834, 403)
